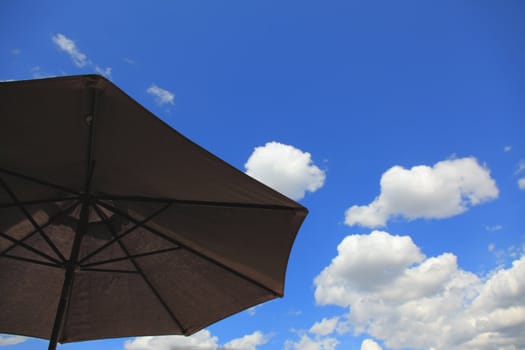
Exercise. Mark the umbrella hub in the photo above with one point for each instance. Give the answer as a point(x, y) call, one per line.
point(100, 221)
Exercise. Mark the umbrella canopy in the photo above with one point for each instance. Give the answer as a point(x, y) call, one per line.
point(112, 224)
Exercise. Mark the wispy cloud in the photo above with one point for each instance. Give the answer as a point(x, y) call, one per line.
point(493, 228)
point(79, 58)
point(67, 45)
point(521, 167)
point(162, 96)
point(105, 72)
point(11, 339)
point(507, 148)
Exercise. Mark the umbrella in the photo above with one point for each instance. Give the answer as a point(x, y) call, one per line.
point(112, 224)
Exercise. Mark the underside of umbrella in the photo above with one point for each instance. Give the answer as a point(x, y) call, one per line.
point(112, 224)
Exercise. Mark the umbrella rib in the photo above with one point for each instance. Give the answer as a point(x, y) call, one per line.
point(199, 254)
point(202, 203)
point(40, 182)
point(30, 218)
point(120, 236)
point(37, 201)
point(141, 273)
point(49, 221)
point(28, 247)
point(108, 261)
point(109, 270)
point(38, 262)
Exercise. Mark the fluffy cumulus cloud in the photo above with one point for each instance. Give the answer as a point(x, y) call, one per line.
point(202, 340)
point(161, 96)
point(408, 300)
point(286, 169)
point(446, 189)
point(11, 339)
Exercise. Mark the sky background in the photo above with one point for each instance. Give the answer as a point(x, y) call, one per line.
point(399, 125)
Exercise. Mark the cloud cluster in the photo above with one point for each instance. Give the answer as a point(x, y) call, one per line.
point(407, 300)
point(306, 342)
point(286, 169)
point(202, 340)
point(79, 58)
point(320, 337)
point(162, 96)
point(446, 189)
point(248, 342)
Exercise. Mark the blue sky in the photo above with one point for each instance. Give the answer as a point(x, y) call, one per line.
point(400, 125)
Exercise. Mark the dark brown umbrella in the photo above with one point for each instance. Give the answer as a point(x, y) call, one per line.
point(112, 224)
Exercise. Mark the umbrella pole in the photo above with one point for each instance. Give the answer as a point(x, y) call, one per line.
point(69, 274)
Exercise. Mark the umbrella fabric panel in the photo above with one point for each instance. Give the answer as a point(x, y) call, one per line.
point(46, 121)
point(108, 305)
point(254, 243)
point(137, 153)
point(197, 291)
point(29, 298)
point(182, 299)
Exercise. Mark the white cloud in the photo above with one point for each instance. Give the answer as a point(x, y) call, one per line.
point(162, 96)
point(105, 72)
point(286, 169)
point(324, 327)
point(248, 342)
point(202, 340)
point(308, 343)
point(521, 183)
point(521, 167)
point(320, 339)
point(369, 344)
point(446, 189)
point(69, 46)
point(397, 295)
point(11, 339)
point(507, 148)
point(493, 228)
